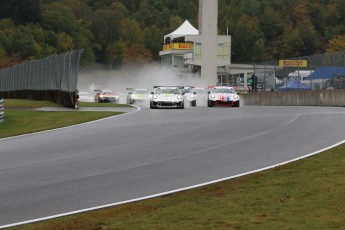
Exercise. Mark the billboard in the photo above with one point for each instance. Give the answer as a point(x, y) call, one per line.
point(178, 46)
point(293, 63)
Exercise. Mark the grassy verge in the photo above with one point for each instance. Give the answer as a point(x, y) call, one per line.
point(17, 122)
point(113, 105)
point(27, 104)
point(31, 104)
point(307, 194)
point(21, 119)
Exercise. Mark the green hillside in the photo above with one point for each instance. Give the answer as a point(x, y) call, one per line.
point(117, 32)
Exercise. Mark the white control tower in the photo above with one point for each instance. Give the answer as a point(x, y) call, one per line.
point(208, 29)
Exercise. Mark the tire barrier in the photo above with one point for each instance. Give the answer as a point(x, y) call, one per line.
point(334, 98)
point(1, 110)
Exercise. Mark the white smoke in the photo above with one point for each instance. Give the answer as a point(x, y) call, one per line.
point(132, 77)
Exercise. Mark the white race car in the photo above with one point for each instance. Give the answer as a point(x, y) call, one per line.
point(137, 95)
point(196, 94)
point(167, 97)
point(223, 95)
point(85, 97)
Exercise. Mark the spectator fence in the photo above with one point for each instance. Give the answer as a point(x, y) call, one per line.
point(319, 72)
point(53, 78)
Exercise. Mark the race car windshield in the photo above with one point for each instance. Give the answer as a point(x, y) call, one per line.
point(107, 92)
point(167, 91)
point(140, 91)
point(223, 90)
point(199, 91)
point(185, 90)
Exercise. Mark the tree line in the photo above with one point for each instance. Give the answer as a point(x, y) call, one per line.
point(118, 32)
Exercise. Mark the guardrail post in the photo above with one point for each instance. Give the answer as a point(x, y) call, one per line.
point(1, 110)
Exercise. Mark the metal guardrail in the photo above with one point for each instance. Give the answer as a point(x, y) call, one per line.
point(1, 110)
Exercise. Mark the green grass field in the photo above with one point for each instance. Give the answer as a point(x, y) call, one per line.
point(21, 119)
point(113, 105)
point(307, 194)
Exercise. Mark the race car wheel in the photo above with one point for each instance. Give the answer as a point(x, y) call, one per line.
point(151, 106)
point(237, 104)
point(193, 103)
point(209, 103)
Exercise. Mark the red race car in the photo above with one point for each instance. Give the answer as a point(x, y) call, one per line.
point(106, 96)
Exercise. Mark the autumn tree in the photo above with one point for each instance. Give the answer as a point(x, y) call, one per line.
point(336, 44)
point(7, 31)
point(18, 40)
point(250, 7)
point(59, 17)
point(293, 43)
point(3, 58)
point(104, 26)
point(175, 22)
point(137, 55)
point(249, 39)
point(271, 23)
point(108, 30)
point(65, 42)
point(152, 40)
point(115, 53)
point(129, 31)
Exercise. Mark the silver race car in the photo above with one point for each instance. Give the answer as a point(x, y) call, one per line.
point(223, 95)
point(167, 97)
point(137, 95)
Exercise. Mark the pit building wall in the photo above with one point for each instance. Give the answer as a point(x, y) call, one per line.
point(296, 98)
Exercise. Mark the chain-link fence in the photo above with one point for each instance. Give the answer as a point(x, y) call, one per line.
point(40, 79)
point(317, 72)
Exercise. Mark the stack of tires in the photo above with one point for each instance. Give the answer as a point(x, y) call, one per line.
point(1, 110)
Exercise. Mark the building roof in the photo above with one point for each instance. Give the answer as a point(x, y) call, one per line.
point(294, 85)
point(185, 29)
point(327, 72)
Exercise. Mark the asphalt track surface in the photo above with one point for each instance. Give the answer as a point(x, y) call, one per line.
point(150, 152)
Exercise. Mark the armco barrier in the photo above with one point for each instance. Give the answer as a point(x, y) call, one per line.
point(1, 110)
point(334, 98)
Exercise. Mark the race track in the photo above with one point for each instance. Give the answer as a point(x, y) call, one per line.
point(152, 151)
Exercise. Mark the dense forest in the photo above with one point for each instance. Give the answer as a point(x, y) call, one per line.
point(117, 32)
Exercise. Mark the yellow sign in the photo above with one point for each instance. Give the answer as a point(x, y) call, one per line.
point(293, 63)
point(178, 46)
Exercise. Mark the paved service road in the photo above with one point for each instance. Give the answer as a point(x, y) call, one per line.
point(152, 151)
